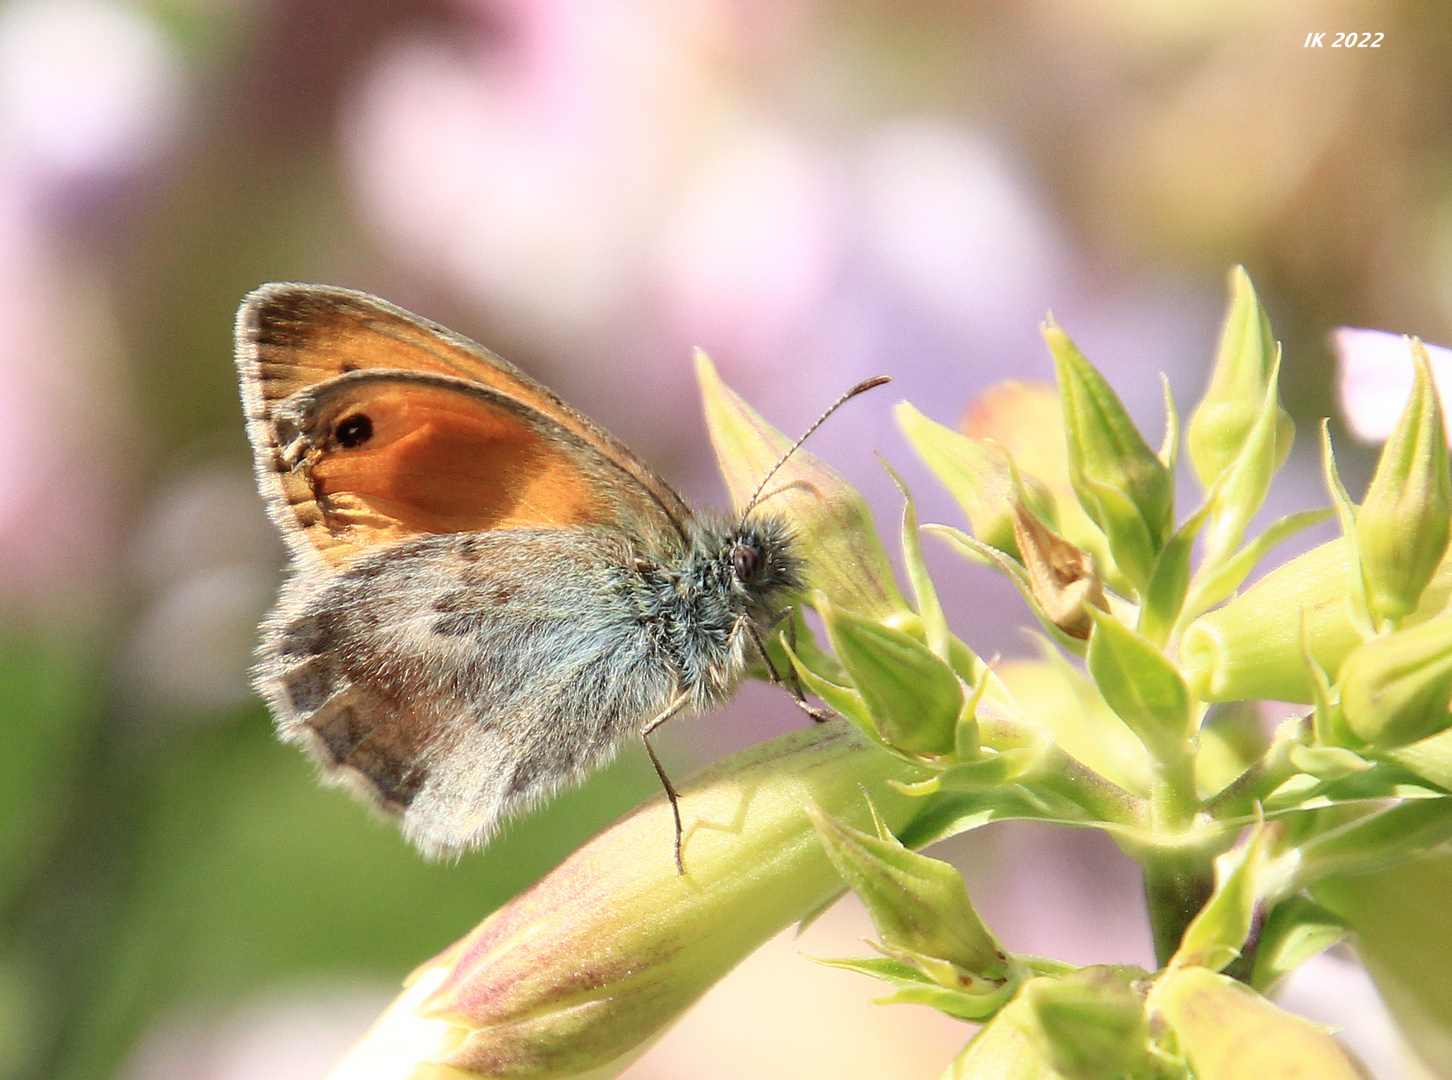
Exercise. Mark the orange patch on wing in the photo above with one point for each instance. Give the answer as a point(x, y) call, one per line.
point(438, 460)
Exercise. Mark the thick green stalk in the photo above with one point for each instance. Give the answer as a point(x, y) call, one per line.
point(1177, 882)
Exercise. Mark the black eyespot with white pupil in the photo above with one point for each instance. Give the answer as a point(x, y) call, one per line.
point(745, 561)
point(354, 430)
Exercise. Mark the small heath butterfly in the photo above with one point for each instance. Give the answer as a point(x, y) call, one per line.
point(488, 593)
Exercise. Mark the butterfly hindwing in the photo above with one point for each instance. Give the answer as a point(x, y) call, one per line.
point(378, 674)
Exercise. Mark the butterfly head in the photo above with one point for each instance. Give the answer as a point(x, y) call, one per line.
point(761, 561)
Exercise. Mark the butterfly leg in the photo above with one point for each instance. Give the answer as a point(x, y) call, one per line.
point(791, 684)
point(670, 789)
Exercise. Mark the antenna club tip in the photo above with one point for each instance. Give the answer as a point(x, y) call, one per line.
point(868, 384)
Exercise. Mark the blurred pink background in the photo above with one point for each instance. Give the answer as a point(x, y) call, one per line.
point(814, 191)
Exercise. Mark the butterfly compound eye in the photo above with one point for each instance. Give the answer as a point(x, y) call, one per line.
point(745, 561)
point(354, 430)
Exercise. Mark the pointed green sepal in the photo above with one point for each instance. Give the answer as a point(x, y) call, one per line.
point(930, 609)
point(1403, 525)
point(1169, 584)
point(1120, 481)
point(1242, 487)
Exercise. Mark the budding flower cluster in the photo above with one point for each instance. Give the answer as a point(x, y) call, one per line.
point(579, 973)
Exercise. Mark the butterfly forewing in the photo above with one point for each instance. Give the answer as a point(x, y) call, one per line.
point(511, 453)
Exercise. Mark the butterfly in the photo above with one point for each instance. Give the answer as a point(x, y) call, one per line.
point(488, 594)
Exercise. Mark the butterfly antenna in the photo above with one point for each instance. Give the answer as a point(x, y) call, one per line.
point(860, 388)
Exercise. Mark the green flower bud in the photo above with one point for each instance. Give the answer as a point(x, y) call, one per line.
point(1121, 483)
point(1395, 688)
point(1252, 647)
point(829, 517)
point(1242, 488)
point(1243, 373)
point(914, 698)
point(1091, 1023)
point(919, 906)
point(1403, 525)
point(1229, 1032)
point(576, 975)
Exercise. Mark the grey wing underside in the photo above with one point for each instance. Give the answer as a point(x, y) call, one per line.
point(456, 678)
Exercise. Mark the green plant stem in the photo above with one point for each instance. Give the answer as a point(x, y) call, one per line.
point(1176, 885)
point(1107, 801)
point(1240, 797)
point(1178, 878)
point(1173, 800)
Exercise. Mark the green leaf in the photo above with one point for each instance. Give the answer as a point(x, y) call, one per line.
point(830, 519)
point(1377, 840)
point(914, 698)
point(1295, 930)
point(1215, 935)
point(1403, 921)
point(912, 987)
point(1140, 685)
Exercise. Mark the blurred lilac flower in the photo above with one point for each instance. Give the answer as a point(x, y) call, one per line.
point(955, 223)
point(1376, 378)
point(88, 88)
point(750, 242)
